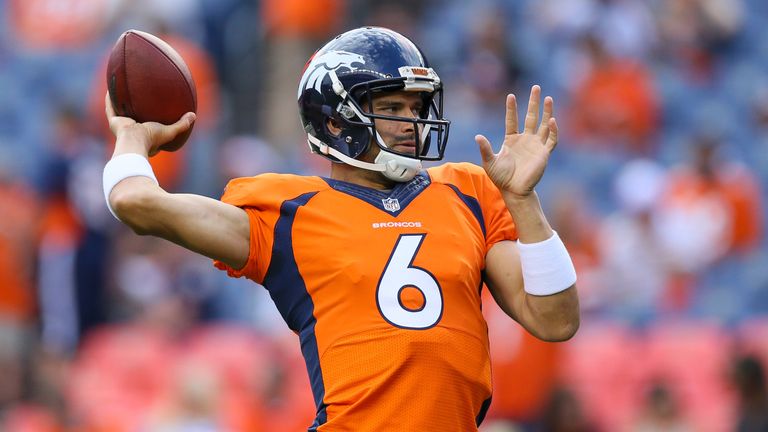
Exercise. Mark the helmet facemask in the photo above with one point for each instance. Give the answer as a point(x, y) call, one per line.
point(430, 132)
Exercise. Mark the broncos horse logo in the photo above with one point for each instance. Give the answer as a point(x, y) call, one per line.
point(319, 66)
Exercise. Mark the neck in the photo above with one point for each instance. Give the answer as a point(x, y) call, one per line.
point(361, 177)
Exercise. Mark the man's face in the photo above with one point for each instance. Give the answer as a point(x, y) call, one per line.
point(399, 136)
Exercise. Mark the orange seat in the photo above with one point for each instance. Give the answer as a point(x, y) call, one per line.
point(692, 357)
point(120, 374)
point(600, 366)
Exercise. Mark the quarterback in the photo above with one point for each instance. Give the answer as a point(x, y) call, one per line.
point(378, 267)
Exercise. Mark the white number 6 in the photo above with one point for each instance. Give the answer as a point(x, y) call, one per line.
point(400, 274)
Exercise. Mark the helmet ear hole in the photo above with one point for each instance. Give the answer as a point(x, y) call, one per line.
point(333, 126)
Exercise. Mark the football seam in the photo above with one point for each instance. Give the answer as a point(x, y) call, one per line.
point(189, 90)
point(128, 101)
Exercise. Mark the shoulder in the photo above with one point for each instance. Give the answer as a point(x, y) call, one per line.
point(465, 176)
point(267, 189)
point(455, 170)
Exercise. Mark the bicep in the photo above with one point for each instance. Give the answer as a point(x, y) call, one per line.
point(204, 225)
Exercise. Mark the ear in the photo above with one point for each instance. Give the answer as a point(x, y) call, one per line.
point(333, 127)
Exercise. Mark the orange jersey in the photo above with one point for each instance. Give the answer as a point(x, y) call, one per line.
point(383, 289)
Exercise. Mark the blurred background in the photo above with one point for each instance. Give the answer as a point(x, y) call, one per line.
point(657, 187)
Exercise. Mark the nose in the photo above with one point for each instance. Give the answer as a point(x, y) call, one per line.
point(408, 113)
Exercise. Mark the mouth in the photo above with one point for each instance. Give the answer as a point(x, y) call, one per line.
point(408, 147)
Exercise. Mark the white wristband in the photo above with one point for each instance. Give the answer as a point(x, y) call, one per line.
point(547, 267)
point(120, 168)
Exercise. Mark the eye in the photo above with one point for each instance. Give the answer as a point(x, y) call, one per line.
point(388, 108)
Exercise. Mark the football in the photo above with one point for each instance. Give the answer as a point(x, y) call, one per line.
point(148, 81)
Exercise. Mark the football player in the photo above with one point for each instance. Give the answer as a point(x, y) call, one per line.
point(378, 268)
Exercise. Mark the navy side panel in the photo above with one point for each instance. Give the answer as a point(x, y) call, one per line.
point(289, 292)
point(473, 205)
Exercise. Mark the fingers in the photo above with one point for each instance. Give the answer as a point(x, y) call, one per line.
point(543, 132)
point(486, 150)
point(186, 121)
point(551, 142)
point(172, 131)
point(532, 116)
point(510, 121)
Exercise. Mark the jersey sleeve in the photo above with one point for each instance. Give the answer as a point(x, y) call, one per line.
point(472, 181)
point(498, 222)
point(241, 193)
point(261, 198)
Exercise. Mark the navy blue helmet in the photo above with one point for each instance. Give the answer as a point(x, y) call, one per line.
point(339, 82)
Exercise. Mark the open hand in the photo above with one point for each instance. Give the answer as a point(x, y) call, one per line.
point(519, 165)
point(152, 134)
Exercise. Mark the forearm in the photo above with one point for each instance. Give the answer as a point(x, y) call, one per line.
point(551, 318)
point(530, 222)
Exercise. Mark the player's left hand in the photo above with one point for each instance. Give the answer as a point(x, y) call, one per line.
point(519, 165)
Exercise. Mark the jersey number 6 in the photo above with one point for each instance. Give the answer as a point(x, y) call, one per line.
point(400, 274)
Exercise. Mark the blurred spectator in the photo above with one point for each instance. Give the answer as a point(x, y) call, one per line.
point(489, 70)
point(758, 106)
point(576, 223)
point(711, 213)
point(401, 16)
point(491, 67)
point(616, 105)
point(633, 273)
point(193, 404)
point(75, 241)
point(245, 156)
point(695, 32)
point(46, 400)
point(563, 413)
point(661, 412)
point(748, 377)
point(711, 207)
point(172, 15)
point(157, 286)
point(627, 28)
point(56, 24)
point(61, 233)
point(18, 235)
point(294, 28)
point(14, 341)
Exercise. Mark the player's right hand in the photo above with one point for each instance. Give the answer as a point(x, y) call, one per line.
point(151, 135)
point(518, 166)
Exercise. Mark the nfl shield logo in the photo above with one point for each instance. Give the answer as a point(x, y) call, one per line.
point(391, 204)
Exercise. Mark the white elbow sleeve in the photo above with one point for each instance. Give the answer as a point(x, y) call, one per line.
point(547, 266)
point(120, 168)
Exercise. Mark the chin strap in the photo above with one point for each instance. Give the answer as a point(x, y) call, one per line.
point(394, 167)
point(398, 168)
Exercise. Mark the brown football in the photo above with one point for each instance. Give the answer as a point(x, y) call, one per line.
point(149, 81)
